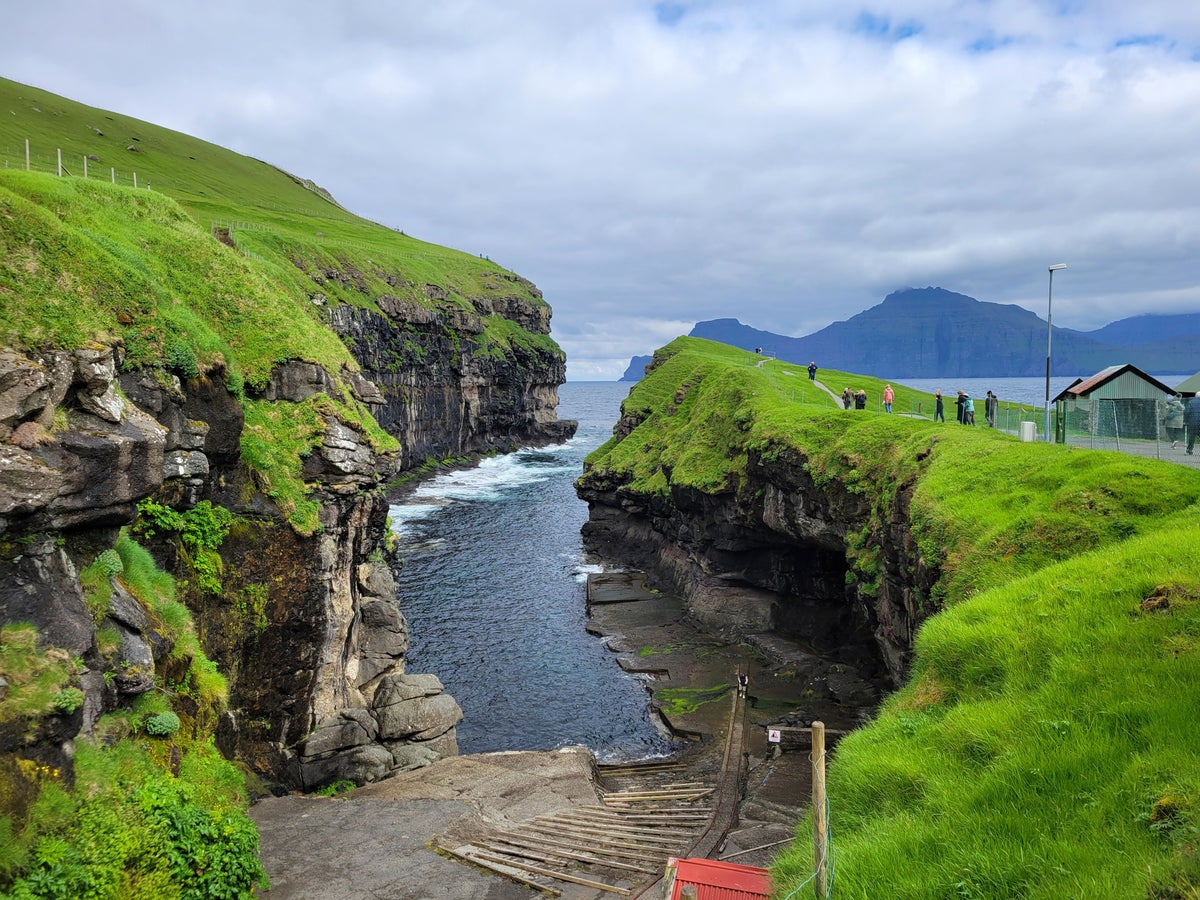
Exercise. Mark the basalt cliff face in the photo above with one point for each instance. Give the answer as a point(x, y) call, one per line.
point(306, 627)
point(772, 556)
point(435, 395)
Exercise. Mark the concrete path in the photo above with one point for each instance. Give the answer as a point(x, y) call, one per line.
point(372, 842)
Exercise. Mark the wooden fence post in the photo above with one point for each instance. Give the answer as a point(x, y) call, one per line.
point(26, 154)
point(820, 825)
point(60, 162)
point(85, 165)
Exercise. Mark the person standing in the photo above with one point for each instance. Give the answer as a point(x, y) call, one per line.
point(888, 396)
point(990, 403)
point(968, 410)
point(1174, 421)
point(939, 412)
point(1191, 420)
point(860, 399)
point(848, 399)
point(958, 403)
point(812, 371)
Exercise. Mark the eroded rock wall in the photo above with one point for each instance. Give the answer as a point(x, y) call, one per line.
point(440, 393)
point(772, 556)
point(307, 628)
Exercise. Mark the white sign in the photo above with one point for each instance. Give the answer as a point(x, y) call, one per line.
point(774, 736)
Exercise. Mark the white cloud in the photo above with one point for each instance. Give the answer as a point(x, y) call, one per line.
point(788, 164)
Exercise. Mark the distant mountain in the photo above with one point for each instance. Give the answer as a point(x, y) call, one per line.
point(637, 368)
point(1147, 329)
point(931, 332)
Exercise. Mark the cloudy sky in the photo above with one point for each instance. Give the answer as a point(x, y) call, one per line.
point(649, 165)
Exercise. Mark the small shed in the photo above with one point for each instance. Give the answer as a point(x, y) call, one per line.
point(1120, 402)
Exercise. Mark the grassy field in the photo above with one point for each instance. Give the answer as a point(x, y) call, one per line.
point(1047, 742)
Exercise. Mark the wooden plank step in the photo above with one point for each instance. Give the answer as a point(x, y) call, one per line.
point(641, 841)
point(647, 817)
point(558, 876)
point(617, 850)
point(556, 857)
point(652, 828)
point(657, 810)
point(629, 796)
point(503, 871)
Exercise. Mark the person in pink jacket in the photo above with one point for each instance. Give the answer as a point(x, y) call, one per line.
point(888, 396)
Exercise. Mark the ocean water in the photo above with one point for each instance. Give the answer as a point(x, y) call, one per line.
point(493, 587)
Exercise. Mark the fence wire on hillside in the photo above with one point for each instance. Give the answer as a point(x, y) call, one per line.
point(1138, 427)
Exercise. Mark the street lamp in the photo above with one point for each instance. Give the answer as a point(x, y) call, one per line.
point(1049, 306)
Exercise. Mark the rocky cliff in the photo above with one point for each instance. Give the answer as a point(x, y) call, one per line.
point(769, 547)
point(439, 398)
point(306, 627)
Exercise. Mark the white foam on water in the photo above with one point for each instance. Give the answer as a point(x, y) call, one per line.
point(493, 477)
point(582, 572)
point(408, 517)
point(488, 482)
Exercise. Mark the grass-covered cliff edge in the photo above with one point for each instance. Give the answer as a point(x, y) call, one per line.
point(208, 379)
point(1043, 740)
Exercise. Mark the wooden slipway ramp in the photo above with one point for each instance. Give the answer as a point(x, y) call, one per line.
point(619, 845)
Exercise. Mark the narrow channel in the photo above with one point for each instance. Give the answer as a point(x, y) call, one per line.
point(493, 587)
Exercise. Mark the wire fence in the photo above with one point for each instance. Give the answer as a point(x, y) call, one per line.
point(82, 166)
point(1151, 428)
point(89, 166)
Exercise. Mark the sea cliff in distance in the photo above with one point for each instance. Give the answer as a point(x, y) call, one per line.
point(932, 332)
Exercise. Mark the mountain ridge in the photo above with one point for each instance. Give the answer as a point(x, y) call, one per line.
point(932, 332)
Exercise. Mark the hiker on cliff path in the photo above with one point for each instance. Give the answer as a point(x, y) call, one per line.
point(888, 396)
point(860, 399)
point(812, 371)
point(848, 398)
point(939, 412)
point(990, 404)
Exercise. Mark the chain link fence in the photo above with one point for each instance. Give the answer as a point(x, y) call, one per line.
point(1140, 427)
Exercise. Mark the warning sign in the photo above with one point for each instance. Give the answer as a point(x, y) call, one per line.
point(774, 735)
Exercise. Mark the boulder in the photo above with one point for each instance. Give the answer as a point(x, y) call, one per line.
point(362, 765)
point(418, 718)
point(335, 734)
point(383, 638)
point(95, 372)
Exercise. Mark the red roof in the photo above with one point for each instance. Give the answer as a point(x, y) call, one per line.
point(716, 880)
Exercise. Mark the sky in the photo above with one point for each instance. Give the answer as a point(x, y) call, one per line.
point(653, 164)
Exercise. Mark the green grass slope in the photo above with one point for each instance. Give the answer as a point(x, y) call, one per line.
point(83, 259)
point(1047, 744)
point(279, 220)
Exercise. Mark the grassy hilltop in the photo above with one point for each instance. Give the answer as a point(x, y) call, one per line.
point(213, 266)
point(82, 259)
point(1047, 743)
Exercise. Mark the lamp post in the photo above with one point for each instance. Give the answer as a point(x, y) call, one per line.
point(1049, 316)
